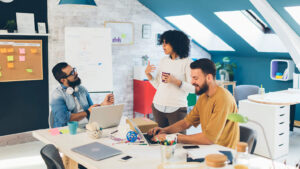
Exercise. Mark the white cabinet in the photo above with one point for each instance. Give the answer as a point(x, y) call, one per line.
point(275, 120)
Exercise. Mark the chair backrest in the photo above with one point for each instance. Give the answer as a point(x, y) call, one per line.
point(249, 136)
point(51, 157)
point(241, 92)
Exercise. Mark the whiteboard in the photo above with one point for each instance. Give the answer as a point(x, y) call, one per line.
point(89, 50)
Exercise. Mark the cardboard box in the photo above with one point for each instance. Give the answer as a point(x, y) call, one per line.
point(144, 124)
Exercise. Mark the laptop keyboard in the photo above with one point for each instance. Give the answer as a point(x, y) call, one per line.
point(148, 138)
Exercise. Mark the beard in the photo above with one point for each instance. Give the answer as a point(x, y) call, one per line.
point(202, 90)
point(75, 83)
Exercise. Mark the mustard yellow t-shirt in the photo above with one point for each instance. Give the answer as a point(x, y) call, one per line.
point(211, 113)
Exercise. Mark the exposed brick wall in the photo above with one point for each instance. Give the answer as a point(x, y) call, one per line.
point(123, 56)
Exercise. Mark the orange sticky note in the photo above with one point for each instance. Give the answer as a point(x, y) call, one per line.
point(22, 51)
point(10, 58)
point(22, 58)
point(10, 65)
point(3, 50)
point(33, 50)
point(10, 50)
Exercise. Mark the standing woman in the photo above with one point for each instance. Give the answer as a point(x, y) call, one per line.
point(172, 81)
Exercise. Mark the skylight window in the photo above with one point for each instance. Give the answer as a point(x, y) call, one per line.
point(198, 32)
point(258, 39)
point(294, 11)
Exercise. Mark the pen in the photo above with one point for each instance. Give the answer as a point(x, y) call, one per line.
point(114, 132)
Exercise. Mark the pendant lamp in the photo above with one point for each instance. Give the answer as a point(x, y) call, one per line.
point(77, 2)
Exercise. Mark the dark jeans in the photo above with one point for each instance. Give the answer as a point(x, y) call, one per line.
point(167, 119)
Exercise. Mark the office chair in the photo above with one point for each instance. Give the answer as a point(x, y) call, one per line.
point(242, 92)
point(51, 157)
point(249, 136)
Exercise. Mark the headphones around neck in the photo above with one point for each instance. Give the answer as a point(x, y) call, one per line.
point(70, 90)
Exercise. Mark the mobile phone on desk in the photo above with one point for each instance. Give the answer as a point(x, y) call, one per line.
point(125, 158)
point(190, 147)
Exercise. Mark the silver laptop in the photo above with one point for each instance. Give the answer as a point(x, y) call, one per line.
point(96, 151)
point(107, 116)
point(144, 136)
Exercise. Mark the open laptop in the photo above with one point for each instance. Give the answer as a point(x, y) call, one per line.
point(144, 136)
point(107, 116)
point(96, 151)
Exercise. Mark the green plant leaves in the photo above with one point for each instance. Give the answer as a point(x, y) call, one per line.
point(237, 118)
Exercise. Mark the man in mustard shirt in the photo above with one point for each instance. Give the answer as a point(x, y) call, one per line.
point(211, 110)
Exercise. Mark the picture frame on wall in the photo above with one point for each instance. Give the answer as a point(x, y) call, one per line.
point(122, 33)
point(25, 22)
point(146, 31)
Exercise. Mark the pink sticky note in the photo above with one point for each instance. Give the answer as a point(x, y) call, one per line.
point(54, 131)
point(22, 58)
point(22, 50)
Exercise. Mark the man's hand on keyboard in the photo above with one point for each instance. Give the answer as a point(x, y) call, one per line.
point(159, 137)
point(156, 130)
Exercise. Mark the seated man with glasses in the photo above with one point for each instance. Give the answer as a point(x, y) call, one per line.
point(71, 101)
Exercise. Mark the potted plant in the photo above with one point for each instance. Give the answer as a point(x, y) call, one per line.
point(10, 26)
point(227, 66)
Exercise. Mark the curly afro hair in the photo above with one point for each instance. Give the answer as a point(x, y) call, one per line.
point(178, 40)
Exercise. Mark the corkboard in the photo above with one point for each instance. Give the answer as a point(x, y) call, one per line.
point(21, 60)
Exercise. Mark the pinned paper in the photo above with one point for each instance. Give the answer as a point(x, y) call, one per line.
point(10, 50)
point(3, 50)
point(22, 51)
point(10, 65)
point(33, 50)
point(10, 58)
point(22, 58)
point(64, 131)
point(29, 70)
point(54, 131)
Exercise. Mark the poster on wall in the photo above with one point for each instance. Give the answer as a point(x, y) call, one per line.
point(122, 33)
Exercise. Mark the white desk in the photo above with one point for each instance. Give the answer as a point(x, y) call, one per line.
point(146, 157)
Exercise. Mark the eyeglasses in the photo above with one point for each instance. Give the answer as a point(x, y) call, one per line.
point(73, 72)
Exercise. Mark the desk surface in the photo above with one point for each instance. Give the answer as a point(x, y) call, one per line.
point(284, 97)
point(146, 157)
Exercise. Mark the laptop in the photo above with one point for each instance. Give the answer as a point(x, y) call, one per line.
point(144, 136)
point(96, 151)
point(107, 116)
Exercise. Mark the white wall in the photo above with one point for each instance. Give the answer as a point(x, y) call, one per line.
point(124, 57)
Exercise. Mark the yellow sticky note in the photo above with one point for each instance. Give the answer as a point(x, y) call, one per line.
point(3, 50)
point(10, 50)
point(33, 50)
point(0, 74)
point(64, 131)
point(10, 65)
point(10, 58)
point(29, 70)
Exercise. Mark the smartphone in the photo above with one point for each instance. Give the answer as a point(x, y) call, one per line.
point(125, 158)
point(190, 147)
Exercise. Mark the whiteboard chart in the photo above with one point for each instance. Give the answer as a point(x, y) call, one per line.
point(89, 50)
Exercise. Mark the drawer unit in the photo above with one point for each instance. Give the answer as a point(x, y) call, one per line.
point(275, 121)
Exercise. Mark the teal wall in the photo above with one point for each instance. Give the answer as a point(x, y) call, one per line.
point(255, 70)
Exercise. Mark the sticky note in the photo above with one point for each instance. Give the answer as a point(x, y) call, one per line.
point(33, 50)
point(22, 51)
point(54, 131)
point(22, 58)
point(29, 70)
point(123, 36)
point(64, 131)
point(3, 50)
point(0, 74)
point(10, 50)
point(10, 65)
point(10, 58)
